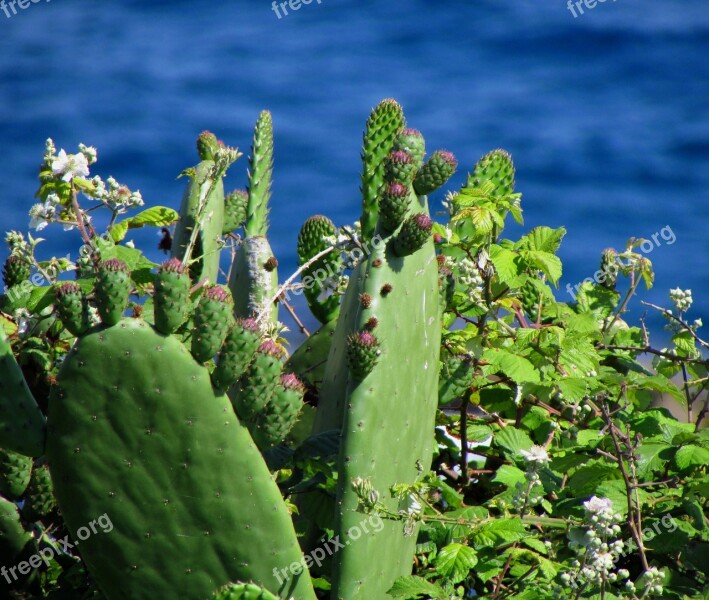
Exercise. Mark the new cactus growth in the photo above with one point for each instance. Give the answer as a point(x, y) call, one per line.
point(72, 308)
point(400, 167)
point(414, 233)
point(15, 473)
point(274, 422)
point(14, 539)
point(412, 142)
point(384, 124)
point(235, 206)
point(394, 205)
point(111, 291)
point(207, 145)
point(39, 497)
point(259, 382)
point(15, 270)
point(212, 319)
point(239, 348)
point(362, 354)
point(435, 172)
point(172, 296)
point(496, 167)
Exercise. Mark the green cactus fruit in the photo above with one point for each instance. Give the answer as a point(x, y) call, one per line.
point(212, 319)
point(455, 378)
point(383, 125)
point(39, 498)
point(309, 360)
point(15, 271)
point(207, 145)
point(238, 351)
point(113, 286)
point(394, 205)
point(258, 384)
point(72, 308)
point(496, 167)
point(260, 176)
point(362, 353)
point(435, 172)
point(15, 472)
point(235, 206)
point(203, 201)
point(139, 443)
point(21, 421)
point(609, 268)
point(171, 301)
point(412, 142)
point(14, 540)
point(400, 167)
point(243, 591)
point(312, 240)
point(272, 425)
point(414, 233)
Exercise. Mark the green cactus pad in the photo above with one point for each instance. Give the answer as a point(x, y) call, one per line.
point(309, 360)
point(455, 378)
point(21, 421)
point(137, 436)
point(414, 233)
point(39, 498)
point(400, 167)
point(113, 286)
point(207, 145)
point(383, 125)
point(260, 381)
point(235, 206)
point(260, 176)
point(72, 308)
point(272, 425)
point(15, 271)
point(435, 172)
point(204, 202)
point(238, 351)
point(14, 540)
point(243, 591)
point(496, 167)
point(312, 240)
point(15, 472)
point(394, 205)
point(212, 319)
point(171, 301)
point(412, 142)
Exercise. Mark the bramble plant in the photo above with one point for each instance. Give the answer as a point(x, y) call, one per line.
point(510, 445)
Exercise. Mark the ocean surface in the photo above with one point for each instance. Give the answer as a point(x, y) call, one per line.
point(606, 114)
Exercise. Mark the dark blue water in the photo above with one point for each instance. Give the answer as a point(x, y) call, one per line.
point(606, 114)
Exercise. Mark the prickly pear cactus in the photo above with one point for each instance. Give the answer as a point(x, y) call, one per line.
point(39, 497)
point(136, 432)
point(14, 540)
point(254, 277)
point(381, 388)
point(243, 591)
point(15, 472)
point(496, 167)
point(15, 270)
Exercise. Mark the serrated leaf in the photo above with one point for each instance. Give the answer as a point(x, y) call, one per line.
point(573, 388)
point(542, 238)
point(691, 456)
point(411, 587)
point(546, 262)
point(504, 261)
point(156, 216)
point(508, 475)
point(500, 531)
point(119, 230)
point(513, 440)
point(516, 367)
point(455, 561)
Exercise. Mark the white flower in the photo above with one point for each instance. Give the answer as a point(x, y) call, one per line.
point(536, 455)
point(41, 215)
point(598, 505)
point(89, 152)
point(70, 165)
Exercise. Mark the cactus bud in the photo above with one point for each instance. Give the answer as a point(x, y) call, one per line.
point(172, 296)
point(212, 319)
point(235, 207)
point(72, 308)
point(15, 271)
point(362, 354)
point(400, 167)
point(498, 168)
point(435, 172)
point(393, 205)
point(238, 351)
point(412, 142)
point(414, 233)
point(112, 288)
point(207, 145)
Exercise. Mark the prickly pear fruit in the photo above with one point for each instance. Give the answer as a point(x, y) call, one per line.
point(394, 204)
point(400, 167)
point(238, 351)
point(172, 296)
point(15, 472)
point(15, 271)
point(496, 167)
point(39, 497)
point(212, 319)
point(414, 233)
point(412, 142)
point(258, 384)
point(207, 145)
point(235, 206)
point(455, 378)
point(113, 286)
point(435, 172)
point(72, 308)
point(312, 240)
point(272, 425)
point(243, 591)
point(362, 353)
point(21, 421)
point(383, 125)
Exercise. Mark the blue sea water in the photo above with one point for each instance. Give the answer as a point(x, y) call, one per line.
point(605, 114)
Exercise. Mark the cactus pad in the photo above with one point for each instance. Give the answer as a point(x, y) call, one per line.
point(172, 296)
point(112, 288)
point(72, 308)
point(212, 319)
point(235, 206)
point(243, 591)
point(15, 472)
point(239, 348)
point(414, 233)
point(496, 167)
point(39, 497)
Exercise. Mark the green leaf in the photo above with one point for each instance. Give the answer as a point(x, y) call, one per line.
point(412, 586)
point(542, 238)
point(513, 440)
point(156, 216)
point(508, 475)
point(585, 481)
point(455, 562)
point(546, 262)
point(573, 388)
point(691, 456)
point(505, 263)
point(500, 531)
point(119, 230)
point(516, 367)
